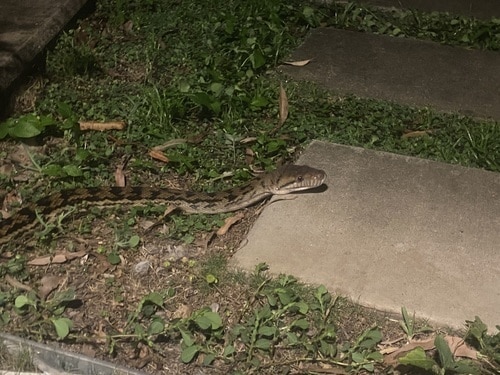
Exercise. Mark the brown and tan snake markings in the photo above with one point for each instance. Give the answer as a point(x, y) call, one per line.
point(285, 180)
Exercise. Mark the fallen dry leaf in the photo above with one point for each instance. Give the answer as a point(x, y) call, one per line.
point(249, 156)
point(416, 133)
point(57, 258)
point(40, 261)
point(427, 344)
point(322, 369)
point(283, 105)
point(392, 342)
point(204, 241)
point(7, 255)
point(248, 140)
point(298, 63)
point(128, 26)
point(76, 254)
point(389, 350)
point(101, 126)
point(10, 200)
point(48, 284)
point(182, 312)
point(7, 169)
point(459, 348)
point(197, 138)
point(158, 155)
point(229, 222)
point(120, 179)
point(171, 143)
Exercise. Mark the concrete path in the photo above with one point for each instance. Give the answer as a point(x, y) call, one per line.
point(413, 72)
point(390, 231)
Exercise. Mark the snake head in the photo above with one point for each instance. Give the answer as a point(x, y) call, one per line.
point(292, 178)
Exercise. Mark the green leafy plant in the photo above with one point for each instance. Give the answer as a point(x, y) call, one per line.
point(445, 364)
point(489, 345)
point(363, 353)
point(31, 125)
point(408, 325)
point(198, 331)
point(42, 313)
point(26, 126)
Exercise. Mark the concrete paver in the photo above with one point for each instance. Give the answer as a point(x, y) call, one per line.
point(406, 71)
point(483, 9)
point(390, 231)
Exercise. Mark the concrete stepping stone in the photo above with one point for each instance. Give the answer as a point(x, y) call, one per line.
point(483, 9)
point(390, 231)
point(407, 71)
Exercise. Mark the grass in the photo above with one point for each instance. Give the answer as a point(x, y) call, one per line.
point(206, 76)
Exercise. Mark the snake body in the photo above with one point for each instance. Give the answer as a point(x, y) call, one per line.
point(285, 180)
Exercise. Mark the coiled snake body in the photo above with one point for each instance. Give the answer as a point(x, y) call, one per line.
point(285, 180)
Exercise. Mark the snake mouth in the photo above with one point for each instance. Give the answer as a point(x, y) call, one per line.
point(313, 179)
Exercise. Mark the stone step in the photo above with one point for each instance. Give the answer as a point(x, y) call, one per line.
point(406, 71)
point(390, 231)
point(482, 9)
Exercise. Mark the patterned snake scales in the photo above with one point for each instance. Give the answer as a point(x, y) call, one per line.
point(285, 180)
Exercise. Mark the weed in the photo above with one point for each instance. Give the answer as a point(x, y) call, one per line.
point(445, 364)
point(408, 325)
point(478, 336)
point(43, 314)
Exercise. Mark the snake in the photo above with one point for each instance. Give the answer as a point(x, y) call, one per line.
point(287, 179)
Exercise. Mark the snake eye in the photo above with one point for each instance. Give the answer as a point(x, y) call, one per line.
point(300, 178)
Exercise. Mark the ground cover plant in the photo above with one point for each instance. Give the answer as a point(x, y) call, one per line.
point(197, 88)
